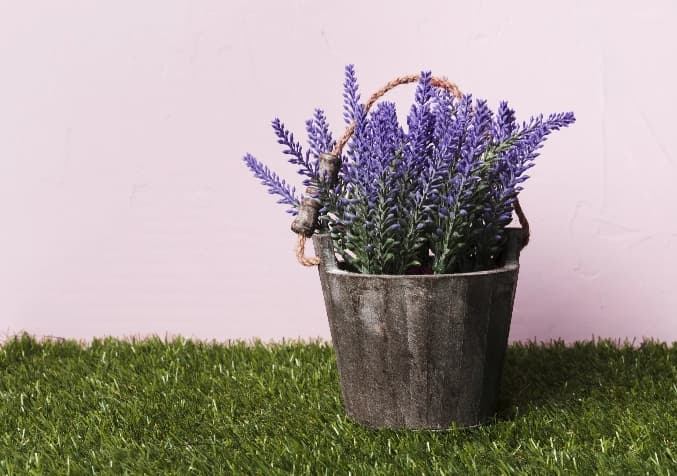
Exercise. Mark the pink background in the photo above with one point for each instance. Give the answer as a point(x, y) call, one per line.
point(126, 209)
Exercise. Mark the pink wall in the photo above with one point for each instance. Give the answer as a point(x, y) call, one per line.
point(126, 208)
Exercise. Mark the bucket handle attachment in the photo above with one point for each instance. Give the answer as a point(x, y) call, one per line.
point(329, 163)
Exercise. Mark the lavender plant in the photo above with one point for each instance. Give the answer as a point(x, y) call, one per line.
point(438, 195)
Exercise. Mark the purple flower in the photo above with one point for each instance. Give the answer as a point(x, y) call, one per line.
point(448, 184)
point(275, 185)
point(421, 121)
point(319, 136)
point(294, 150)
point(505, 126)
point(351, 97)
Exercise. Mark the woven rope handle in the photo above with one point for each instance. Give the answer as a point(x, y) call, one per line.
point(442, 83)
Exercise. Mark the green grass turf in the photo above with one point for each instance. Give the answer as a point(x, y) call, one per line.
point(183, 407)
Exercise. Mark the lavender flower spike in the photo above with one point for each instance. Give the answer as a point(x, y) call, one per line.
point(294, 150)
point(276, 186)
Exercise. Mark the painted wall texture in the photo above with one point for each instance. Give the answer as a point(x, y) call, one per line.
point(125, 207)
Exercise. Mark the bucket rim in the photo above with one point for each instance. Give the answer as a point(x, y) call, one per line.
point(329, 265)
point(507, 268)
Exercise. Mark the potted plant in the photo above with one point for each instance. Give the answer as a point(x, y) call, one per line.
point(417, 263)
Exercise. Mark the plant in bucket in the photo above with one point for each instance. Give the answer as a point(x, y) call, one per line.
point(417, 263)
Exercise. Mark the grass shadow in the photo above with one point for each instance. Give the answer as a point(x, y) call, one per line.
point(556, 374)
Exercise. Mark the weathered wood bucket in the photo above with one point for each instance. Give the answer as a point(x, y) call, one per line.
point(420, 351)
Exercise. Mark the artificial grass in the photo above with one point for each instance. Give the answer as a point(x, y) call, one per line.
point(182, 407)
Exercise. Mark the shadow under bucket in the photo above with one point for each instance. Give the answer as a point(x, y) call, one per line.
point(419, 351)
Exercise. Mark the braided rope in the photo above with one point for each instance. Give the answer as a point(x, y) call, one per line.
point(301, 252)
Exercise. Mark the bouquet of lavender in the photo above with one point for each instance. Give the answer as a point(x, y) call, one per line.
point(436, 196)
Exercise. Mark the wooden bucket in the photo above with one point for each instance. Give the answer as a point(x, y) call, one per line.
point(420, 351)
